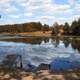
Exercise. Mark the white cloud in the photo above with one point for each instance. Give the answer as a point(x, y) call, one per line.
point(27, 14)
point(14, 16)
point(43, 10)
point(77, 7)
point(46, 19)
point(53, 9)
point(76, 17)
point(21, 1)
point(72, 2)
point(6, 7)
point(30, 6)
point(5, 1)
point(42, 19)
point(46, 7)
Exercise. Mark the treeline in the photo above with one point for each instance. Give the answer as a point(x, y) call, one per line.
point(26, 27)
point(66, 29)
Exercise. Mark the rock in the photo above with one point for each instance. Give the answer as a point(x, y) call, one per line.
point(13, 79)
point(30, 67)
point(43, 67)
point(60, 64)
point(28, 78)
point(7, 76)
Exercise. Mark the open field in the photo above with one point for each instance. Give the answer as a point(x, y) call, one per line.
point(38, 33)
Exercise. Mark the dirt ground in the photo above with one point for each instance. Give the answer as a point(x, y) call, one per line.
point(19, 74)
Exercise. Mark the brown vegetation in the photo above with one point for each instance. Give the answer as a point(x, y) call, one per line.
point(26, 27)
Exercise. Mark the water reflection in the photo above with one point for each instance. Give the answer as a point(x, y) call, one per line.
point(66, 42)
point(41, 49)
point(75, 42)
point(31, 40)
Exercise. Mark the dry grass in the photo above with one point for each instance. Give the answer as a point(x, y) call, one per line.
point(37, 33)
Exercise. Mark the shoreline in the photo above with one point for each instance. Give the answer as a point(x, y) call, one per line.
point(38, 75)
point(34, 34)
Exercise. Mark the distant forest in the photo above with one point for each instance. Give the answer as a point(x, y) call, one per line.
point(64, 29)
point(26, 27)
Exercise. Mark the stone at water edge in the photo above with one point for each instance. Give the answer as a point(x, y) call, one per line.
point(43, 67)
point(63, 64)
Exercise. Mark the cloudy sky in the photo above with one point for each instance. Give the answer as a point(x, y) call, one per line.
point(45, 11)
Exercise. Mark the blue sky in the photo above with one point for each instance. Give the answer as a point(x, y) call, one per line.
point(44, 11)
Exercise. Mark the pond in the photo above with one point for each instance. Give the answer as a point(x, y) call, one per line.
point(37, 50)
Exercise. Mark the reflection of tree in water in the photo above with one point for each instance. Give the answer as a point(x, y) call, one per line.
point(31, 40)
point(45, 39)
point(75, 43)
point(66, 41)
point(55, 41)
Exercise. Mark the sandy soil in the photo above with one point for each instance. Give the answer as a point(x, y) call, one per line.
point(38, 75)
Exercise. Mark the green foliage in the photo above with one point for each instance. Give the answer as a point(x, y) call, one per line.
point(73, 29)
point(66, 28)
